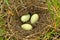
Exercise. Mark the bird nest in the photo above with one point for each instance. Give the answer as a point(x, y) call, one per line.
point(21, 7)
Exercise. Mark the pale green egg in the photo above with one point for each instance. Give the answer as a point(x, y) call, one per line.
point(26, 27)
point(34, 18)
point(25, 18)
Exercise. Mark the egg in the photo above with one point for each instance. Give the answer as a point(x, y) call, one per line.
point(26, 27)
point(34, 18)
point(25, 18)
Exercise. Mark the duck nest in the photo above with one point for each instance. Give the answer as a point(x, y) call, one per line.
point(17, 8)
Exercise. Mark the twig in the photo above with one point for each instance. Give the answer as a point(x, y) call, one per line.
point(37, 32)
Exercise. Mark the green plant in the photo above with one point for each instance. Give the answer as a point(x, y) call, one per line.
point(50, 34)
point(6, 2)
point(54, 9)
point(2, 31)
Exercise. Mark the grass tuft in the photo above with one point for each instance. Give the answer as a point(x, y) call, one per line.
point(54, 9)
point(6, 2)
